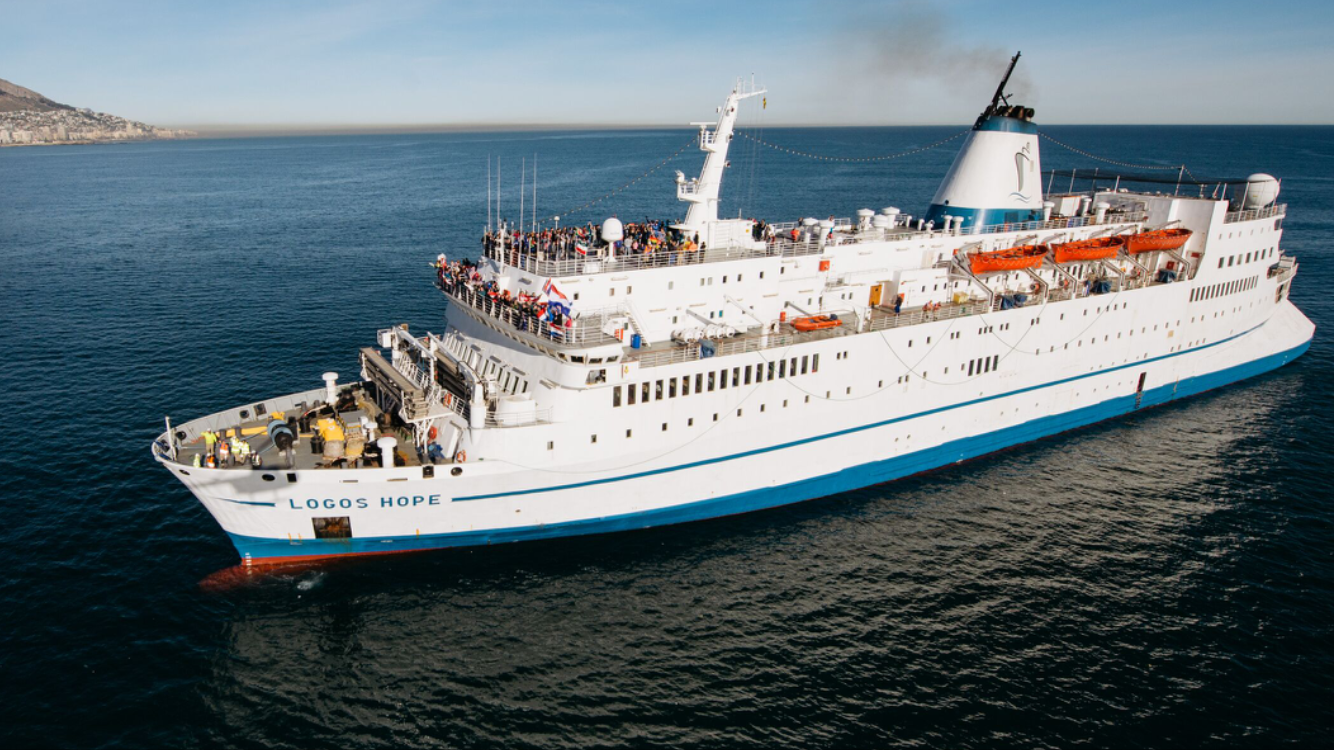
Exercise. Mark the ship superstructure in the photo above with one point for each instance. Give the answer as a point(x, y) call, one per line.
point(654, 374)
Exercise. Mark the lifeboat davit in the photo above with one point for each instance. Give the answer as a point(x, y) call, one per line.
point(1095, 249)
point(816, 323)
point(1009, 259)
point(1160, 239)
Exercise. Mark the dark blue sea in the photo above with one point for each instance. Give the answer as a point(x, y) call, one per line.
point(1165, 580)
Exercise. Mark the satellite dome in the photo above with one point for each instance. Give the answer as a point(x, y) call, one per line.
point(612, 231)
point(890, 211)
point(1259, 191)
point(809, 222)
point(865, 212)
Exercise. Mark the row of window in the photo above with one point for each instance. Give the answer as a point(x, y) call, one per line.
point(983, 365)
point(701, 382)
point(1227, 287)
point(1247, 258)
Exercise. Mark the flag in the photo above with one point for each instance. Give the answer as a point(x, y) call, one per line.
point(551, 291)
point(581, 248)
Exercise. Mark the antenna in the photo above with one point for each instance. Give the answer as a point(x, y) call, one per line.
point(1000, 90)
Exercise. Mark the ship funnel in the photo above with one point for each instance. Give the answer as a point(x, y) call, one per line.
point(996, 178)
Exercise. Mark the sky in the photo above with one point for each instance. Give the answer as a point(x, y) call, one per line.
point(341, 63)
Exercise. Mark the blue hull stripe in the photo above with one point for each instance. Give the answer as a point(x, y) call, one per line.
point(876, 472)
point(850, 430)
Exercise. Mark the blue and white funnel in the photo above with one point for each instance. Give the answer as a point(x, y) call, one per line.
point(997, 176)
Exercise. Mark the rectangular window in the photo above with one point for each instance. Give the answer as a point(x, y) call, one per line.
point(772, 366)
point(685, 386)
point(805, 362)
point(995, 362)
point(722, 379)
point(338, 527)
point(792, 367)
point(657, 391)
point(713, 380)
point(815, 363)
point(970, 367)
point(643, 392)
point(782, 368)
point(748, 374)
point(736, 376)
point(631, 392)
point(671, 388)
point(699, 382)
point(616, 396)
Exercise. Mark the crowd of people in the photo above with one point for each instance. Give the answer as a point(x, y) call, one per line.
point(649, 237)
point(528, 312)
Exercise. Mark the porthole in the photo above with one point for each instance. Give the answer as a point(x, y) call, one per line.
point(456, 471)
point(267, 477)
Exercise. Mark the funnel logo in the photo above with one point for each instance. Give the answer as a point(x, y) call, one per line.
point(1022, 164)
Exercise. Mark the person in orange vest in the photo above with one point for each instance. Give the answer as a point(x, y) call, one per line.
point(224, 453)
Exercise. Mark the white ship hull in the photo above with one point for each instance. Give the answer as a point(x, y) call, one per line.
point(911, 428)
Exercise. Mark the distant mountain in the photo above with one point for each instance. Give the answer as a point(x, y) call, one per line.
point(14, 98)
point(29, 119)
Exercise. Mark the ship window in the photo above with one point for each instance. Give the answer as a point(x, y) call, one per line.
point(722, 379)
point(690, 422)
point(804, 364)
point(593, 438)
point(630, 393)
point(629, 433)
point(815, 363)
point(259, 409)
point(613, 358)
point(748, 373)
point(699, 382)
point(713, 380)
point(268, 477)
point(671, 388)
point(995, 361)
point(337, 527)
point(970, 367)
point(594, 360)
point(671, 285)
point(736, 377)
point(772, 367)
point(643, 392)
point(782, 368)
point(685, 386)
point(577, 359)
point(629, 289)
point(664, 426)
point(1230, 260)
point(657, 391)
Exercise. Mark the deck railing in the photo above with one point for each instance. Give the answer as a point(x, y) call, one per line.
point(1278, 209)
point(585, 330)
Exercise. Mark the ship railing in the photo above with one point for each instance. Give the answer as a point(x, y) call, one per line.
point(585, 329)
point(519, 419)
point(883, 318)
point(749, 342)
point(630, 261)
point(1278, 209)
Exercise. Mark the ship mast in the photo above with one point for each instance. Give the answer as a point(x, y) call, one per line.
point(701, 193)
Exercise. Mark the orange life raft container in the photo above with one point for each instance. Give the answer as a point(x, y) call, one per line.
point(1009, 259)
point(816, 323)
point(1100, 248)
point(1161, 239)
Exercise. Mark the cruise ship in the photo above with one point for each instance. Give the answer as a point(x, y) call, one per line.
point(635, 376)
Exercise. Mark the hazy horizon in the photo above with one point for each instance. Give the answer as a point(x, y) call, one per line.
point(421, 65)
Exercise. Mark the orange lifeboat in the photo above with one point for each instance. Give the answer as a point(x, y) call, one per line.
point(816, 323)
point(1095, 249)
point(1160, 239)
point(1009, 259)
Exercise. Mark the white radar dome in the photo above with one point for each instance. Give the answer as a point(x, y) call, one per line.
point(612, 231)
point(865, 213)
point(1259, 191)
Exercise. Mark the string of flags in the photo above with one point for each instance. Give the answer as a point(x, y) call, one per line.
point(664, 163)
point(821, 157)
point(1113, 161)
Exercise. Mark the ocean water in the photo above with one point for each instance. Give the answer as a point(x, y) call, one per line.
point(1165, 579)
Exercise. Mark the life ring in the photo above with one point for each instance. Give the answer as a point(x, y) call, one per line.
point(461, 457)
point(447, 400)
point(431, 433)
